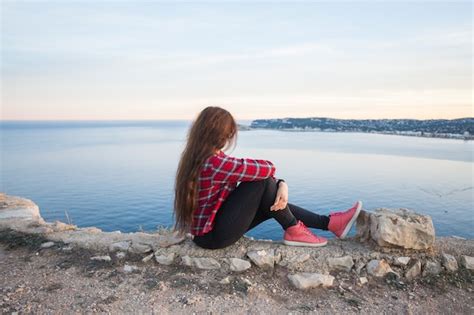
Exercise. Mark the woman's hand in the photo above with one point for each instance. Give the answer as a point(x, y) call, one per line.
point(281, 199)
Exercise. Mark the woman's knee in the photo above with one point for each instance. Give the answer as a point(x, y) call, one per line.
point(255, 183)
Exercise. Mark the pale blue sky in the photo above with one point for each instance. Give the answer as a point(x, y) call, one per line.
point(145, 60)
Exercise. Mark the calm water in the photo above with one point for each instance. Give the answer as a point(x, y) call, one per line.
point(119, 175)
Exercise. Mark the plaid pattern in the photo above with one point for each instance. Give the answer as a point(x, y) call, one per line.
point(218, 178)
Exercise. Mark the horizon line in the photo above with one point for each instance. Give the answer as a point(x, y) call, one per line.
point(237, 119)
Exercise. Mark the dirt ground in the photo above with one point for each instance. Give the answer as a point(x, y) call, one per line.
point(61, 280)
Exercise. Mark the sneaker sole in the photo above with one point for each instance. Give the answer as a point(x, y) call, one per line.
point(293, 243)
point(351, 222)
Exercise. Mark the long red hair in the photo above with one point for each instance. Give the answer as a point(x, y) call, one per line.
point(214, 129)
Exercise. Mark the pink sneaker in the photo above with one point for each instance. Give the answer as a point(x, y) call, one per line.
point(340, 223)
point(300, 235)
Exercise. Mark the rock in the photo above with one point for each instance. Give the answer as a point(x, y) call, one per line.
point(67, 248)
point(47, 245)
point(120, 246)
point(449, 262)
point(238, 265)
point(277, 256)
point(359, 266)
point(187, 261)
point(402, 228)
point(246, 281)
point(363, 226)
point(130, 268)
point(165, 259)
point(12, 207)
point(120, 255)
point(140, 248)
point(226, 280)
point(289, 260)
point(431, 268)
point(201, 262)
point(172, 239)
point(206, 263)
point(467, 262)
point(378, 268)
point(101, 258)
point(307, 280)
point(341, 263)
point(363, 280)
point(401, 261)
point(264, 258)
point(414, 270)
point(148, 258)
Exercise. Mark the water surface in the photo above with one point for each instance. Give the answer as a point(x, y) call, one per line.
point(120, 175)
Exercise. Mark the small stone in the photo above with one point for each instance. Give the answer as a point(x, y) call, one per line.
point(449, 262)
point(206, 263)
point(359, 266)
point(201, 262)
point(130, 268)
point(467, 262)
point(226, 280)
point(119, 246)
point(187, 261)
point(307, 280)
point(264, 258)
point(402, 261)
point(378, 268)
point(165, 259)
point(413, 271)
point(431, 268)
point(148, 258)
point(247, 282)
point(139, 248)
point(47, 245)
point(120, 255)
point(101, 258)
point(341, 263)
point(363, 280)
point(238, 265)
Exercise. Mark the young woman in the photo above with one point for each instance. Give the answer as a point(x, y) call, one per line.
point(218, 198)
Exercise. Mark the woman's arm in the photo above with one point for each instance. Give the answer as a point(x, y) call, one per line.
point(231, 169)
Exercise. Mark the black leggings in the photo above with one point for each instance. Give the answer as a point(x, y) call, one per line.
point(247, 206)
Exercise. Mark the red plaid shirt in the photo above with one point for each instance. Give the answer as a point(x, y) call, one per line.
point(218, 178)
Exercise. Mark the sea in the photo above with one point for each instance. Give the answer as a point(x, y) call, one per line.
point(119, 175)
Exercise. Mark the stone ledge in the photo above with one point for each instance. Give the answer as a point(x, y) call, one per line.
point(350, 256)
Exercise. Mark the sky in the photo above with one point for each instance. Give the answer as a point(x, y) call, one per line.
point(124, 60)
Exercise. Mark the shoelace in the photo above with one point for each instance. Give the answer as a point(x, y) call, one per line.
point(306, 230)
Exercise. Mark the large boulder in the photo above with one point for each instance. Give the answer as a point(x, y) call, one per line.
point(400, 228)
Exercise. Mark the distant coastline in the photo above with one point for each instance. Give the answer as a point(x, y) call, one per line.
point(461, 129)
